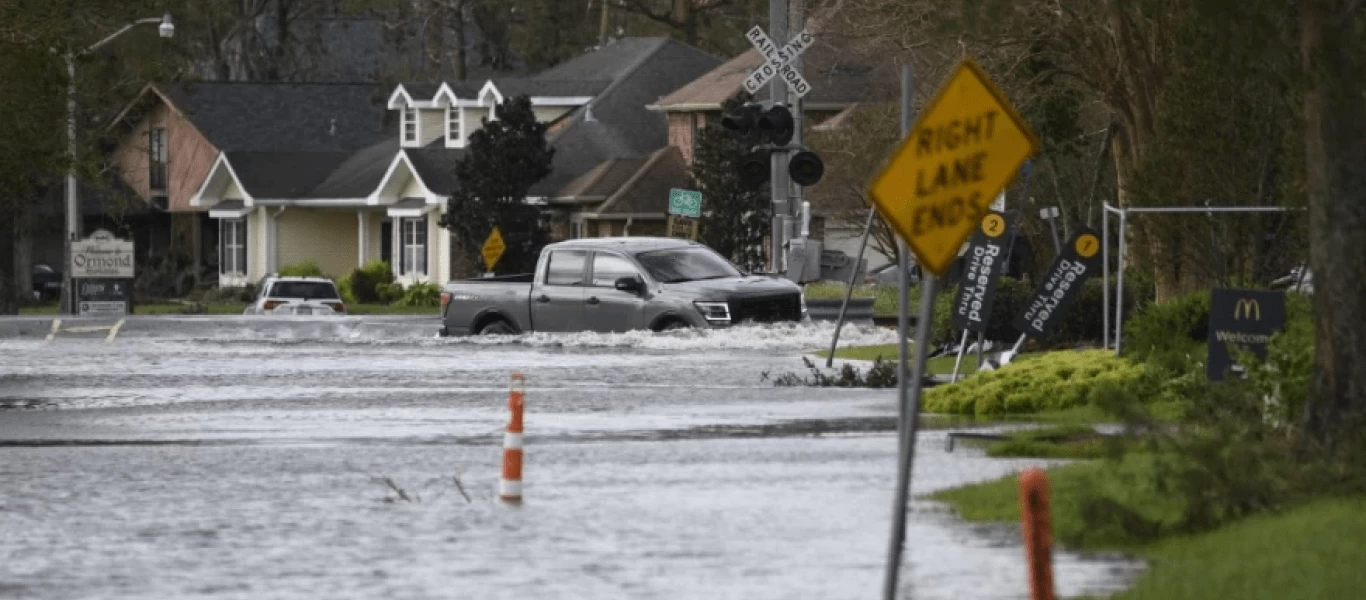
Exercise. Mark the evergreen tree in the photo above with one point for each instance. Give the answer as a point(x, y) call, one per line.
point(504, 159)
point(736, 217)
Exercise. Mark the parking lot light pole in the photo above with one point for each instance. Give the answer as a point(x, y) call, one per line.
point(166, 28)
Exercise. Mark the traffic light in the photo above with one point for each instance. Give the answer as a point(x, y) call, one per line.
point(761, 129)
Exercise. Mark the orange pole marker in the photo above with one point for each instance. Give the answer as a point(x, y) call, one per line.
point(1038, 532)
point(510, 486)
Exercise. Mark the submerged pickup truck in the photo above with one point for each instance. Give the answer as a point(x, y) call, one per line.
point(619, 284)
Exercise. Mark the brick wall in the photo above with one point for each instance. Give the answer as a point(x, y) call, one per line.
point(189, 157)
point(682, 131)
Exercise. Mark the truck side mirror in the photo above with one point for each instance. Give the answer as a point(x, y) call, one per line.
point(630, 284)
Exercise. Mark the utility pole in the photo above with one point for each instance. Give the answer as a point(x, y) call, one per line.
point(796, 21)
point(777, 29)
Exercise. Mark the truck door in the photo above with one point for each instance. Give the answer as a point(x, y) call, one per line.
point(605, 308)
point(557, 302)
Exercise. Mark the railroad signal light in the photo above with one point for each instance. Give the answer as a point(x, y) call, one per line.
point(805, 168)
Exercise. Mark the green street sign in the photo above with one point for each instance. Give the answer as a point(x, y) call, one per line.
point(685, 203)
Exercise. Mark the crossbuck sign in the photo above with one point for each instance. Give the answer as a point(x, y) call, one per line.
point(778, 61)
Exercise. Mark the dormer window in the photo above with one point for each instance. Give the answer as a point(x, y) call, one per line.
point(409, 125)
point(454, 132)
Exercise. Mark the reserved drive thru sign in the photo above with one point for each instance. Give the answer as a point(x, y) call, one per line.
point(985, 264)
point(1079, 259)
point(966, 147)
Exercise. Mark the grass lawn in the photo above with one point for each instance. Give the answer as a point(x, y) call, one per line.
point(1311, 552)
point(884, 296)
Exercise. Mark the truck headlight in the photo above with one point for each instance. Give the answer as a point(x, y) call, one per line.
point(713, 311)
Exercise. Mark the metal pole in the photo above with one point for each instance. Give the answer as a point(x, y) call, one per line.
point(849, 289)
point(777, 90)
point(1119, 288)
point(73, 222)
point(962, 347)
point(1053, 226)
point(908, 400)
point(1105, 274)
point(981, 341)
point(907, 458)
point(796, 21)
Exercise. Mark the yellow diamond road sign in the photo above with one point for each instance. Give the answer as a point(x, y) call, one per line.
point(493, 249)
point(964, 149)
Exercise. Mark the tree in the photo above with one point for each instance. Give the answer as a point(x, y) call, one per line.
point(1333, 57)
point(504, 159)
point(738, 217)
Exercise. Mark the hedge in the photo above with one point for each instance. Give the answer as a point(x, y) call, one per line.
point(1052, 381)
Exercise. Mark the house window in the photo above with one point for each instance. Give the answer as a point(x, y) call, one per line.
point(409, 125)
point(232, 246)
point(453, 126)
point(414, 246)
point(156, 158)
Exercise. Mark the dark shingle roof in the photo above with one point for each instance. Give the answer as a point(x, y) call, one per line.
point(421, 90)
point(616, 124)
point(283, 174)
point(509, 87)
point(436, 166)
point(601, 181)
point(360, 173)
point(283, 117)
point(648, 189)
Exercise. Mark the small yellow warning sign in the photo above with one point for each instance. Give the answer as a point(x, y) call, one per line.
point(493, 249)
point(964, 149)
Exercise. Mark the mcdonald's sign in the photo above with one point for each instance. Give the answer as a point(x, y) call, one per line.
point(1243, 319)
point(1247, 308)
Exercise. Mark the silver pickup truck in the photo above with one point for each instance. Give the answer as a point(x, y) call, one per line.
point(619, 284)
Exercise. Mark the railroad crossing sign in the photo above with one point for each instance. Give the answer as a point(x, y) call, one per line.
point(493, 249)
point(965, 148)
point(778, 61)
point(687, 203)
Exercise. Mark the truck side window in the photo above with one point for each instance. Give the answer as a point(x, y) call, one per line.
point(608, 268)
point(565, 267)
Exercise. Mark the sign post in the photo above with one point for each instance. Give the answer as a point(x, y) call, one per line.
point(1243, 319)
point(493, 249)
point(102, 272)
point(935, 189)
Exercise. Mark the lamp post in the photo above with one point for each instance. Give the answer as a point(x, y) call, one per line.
point(166, 28)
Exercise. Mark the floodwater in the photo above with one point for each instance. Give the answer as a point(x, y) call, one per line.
point(210, 457)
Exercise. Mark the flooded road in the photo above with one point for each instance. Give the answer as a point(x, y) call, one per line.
point(231, 458)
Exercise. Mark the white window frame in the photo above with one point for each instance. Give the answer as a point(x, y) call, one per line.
point(157, 155)
point(455, 127)
point(409, 117)
point(413, 249)
point(232, 247)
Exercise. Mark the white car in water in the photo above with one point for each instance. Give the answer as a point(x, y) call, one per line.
point(302, 296)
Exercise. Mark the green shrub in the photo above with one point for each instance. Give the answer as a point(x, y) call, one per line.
point(1053, 381)
point(1170, 335)
point(387, 293)
point(420, 294)
point(307, 268)
point(346, 287)
point(365, 281)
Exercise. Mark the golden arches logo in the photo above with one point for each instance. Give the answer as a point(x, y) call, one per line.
point(1247, 307)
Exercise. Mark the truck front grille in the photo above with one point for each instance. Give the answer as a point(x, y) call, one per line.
point(767, 309)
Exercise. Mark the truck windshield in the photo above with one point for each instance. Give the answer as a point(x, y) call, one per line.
point(685, 264)
point(321, 290)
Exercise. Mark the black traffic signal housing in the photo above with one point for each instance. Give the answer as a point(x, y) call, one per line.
point(762, 128)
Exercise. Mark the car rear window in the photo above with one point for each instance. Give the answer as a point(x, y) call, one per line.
point(322, 290)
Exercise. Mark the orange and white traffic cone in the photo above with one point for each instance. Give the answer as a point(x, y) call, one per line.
point(510, 486)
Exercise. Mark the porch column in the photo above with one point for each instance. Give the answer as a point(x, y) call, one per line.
point(363, 236)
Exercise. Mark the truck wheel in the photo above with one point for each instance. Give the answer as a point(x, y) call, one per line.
point(672, 325)
point(497, 327)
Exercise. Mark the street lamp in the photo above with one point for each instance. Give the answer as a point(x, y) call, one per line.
point(166, 28)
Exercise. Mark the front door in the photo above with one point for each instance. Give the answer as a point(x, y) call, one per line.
point(386, 242)
point(605, 307)
point(557, 303)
